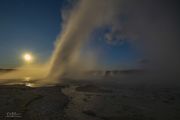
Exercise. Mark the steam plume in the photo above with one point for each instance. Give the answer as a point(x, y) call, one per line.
point(153, 25)
point(85, 17)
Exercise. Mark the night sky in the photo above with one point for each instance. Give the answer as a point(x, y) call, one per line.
point(33, 26)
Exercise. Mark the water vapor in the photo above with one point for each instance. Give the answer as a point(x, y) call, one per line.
point(152, 26)
point(83, 19)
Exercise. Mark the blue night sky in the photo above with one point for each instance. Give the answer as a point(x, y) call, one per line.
point(33, 25)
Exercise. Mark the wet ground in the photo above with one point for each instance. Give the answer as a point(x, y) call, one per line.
point(24, 103)
point(90, 101)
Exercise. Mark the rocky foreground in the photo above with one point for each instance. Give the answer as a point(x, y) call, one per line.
point(89, 101)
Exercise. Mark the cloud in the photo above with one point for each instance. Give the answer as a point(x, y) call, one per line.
point(115, 36)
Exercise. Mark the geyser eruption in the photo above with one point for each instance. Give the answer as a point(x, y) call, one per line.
point(152, 26)
point(85, 17)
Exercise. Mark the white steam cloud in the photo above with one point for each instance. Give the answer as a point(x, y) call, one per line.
point(153, 25)
point(84, 18)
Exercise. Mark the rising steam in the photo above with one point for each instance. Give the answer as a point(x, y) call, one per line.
point(84, 18)
point(152, 25)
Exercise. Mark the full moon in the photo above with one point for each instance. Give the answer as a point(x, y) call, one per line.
point(28, 57)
